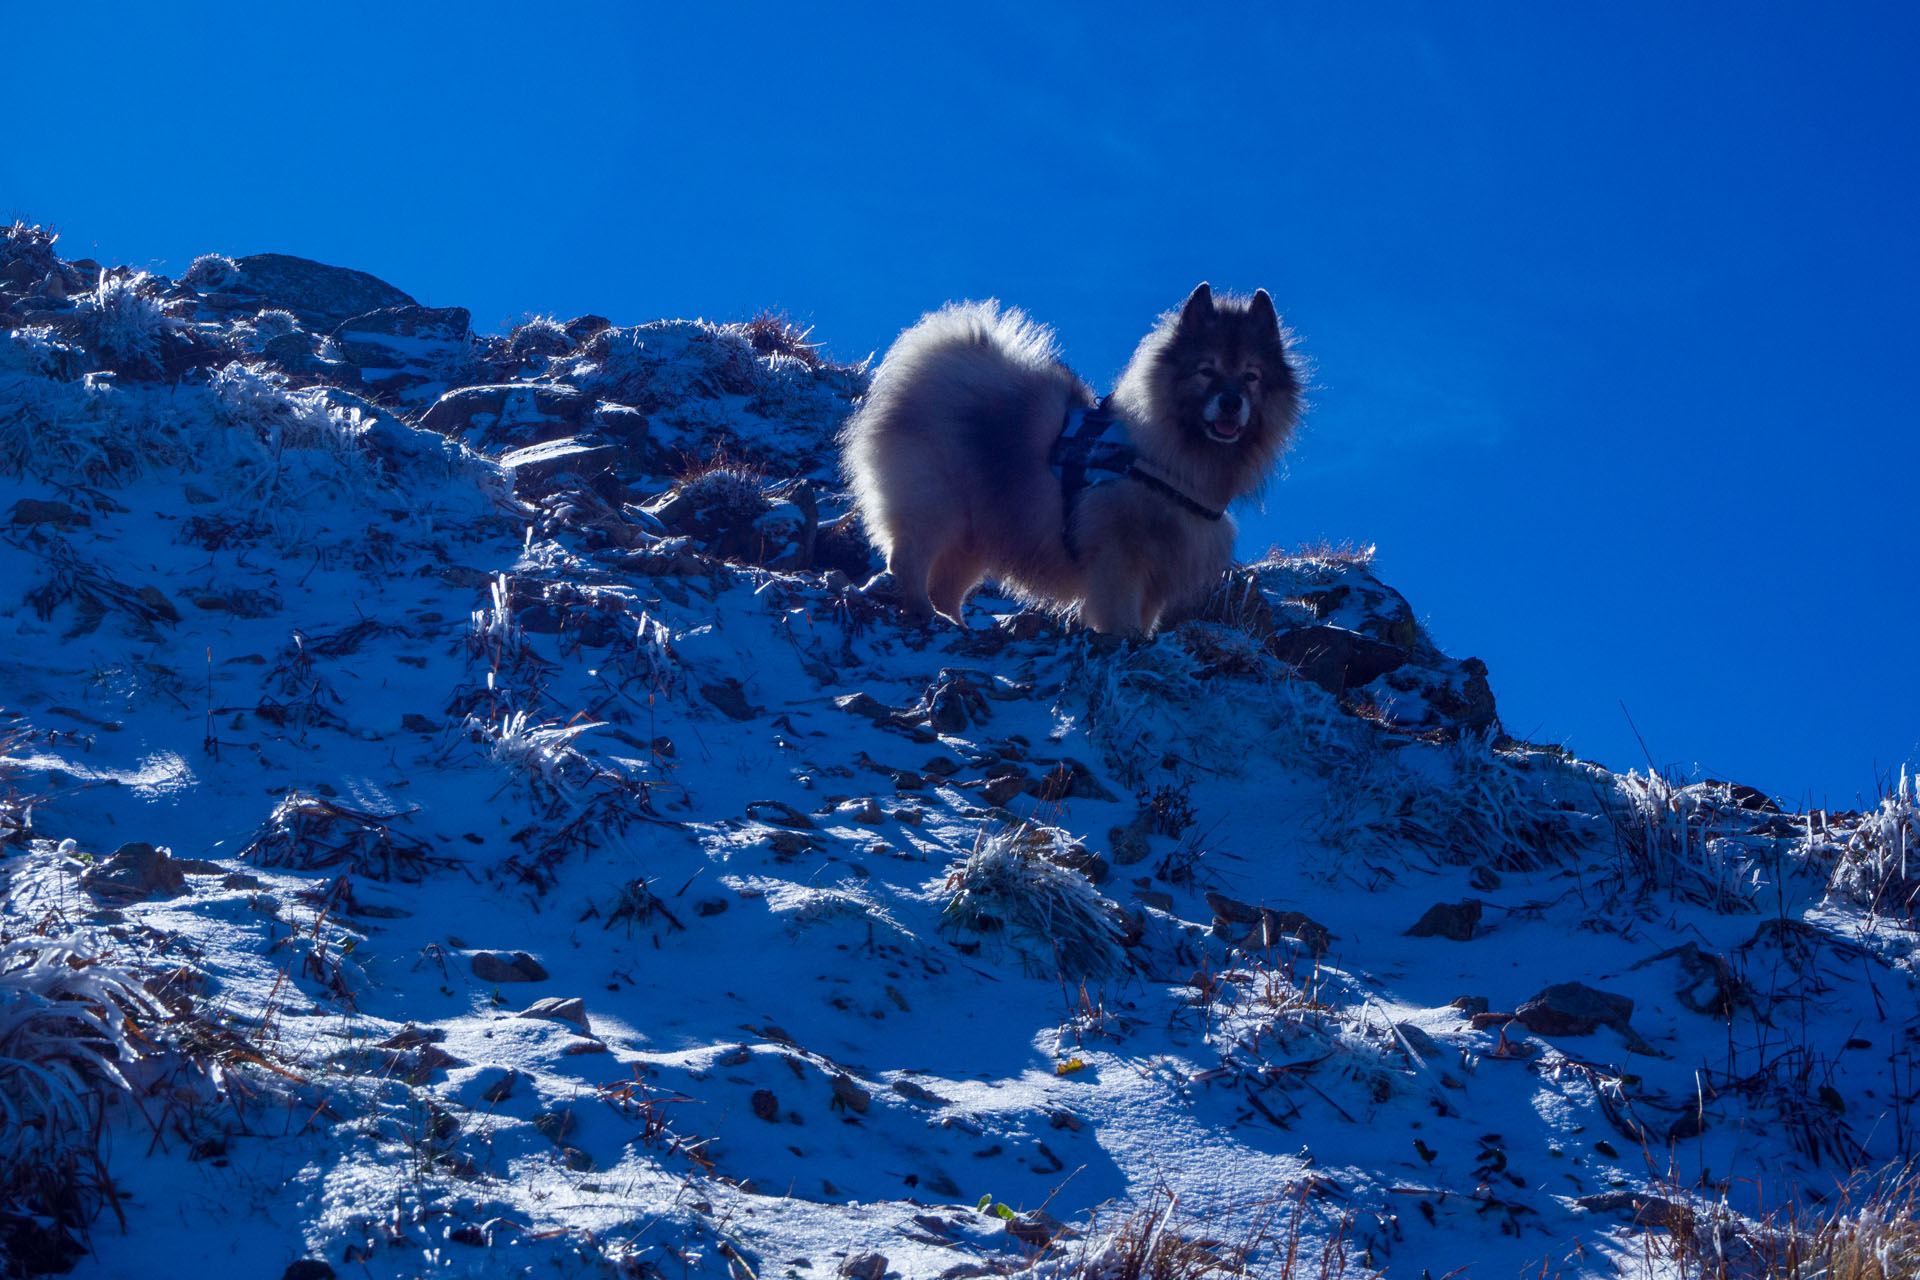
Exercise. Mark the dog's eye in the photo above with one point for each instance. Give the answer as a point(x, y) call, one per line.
point(1205, 371)
point(1250, 377)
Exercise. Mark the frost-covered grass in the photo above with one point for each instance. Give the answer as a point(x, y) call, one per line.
point(125, 320)
point(1681, 841)
point(1050, 916)
point(1878, 866)
point(70, 1028)
point(729, 495)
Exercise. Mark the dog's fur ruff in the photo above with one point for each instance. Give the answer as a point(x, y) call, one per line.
point(948, 459)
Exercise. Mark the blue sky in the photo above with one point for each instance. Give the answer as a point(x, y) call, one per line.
point(1612, 307)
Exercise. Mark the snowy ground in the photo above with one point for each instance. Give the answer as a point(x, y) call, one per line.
point(540, 865)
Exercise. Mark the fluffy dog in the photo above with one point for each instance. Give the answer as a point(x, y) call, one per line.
point(978, 454)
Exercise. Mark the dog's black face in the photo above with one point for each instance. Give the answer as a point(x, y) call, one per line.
point(1228, 369)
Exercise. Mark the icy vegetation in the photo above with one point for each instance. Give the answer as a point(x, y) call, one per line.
point(459, 818)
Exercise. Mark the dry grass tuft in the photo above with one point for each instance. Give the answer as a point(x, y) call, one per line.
point(1162, 1240)
point(774, 333)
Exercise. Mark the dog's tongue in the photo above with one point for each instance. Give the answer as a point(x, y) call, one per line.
point(1224, 432)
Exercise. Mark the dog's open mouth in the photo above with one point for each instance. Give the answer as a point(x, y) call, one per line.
point(1225, 430)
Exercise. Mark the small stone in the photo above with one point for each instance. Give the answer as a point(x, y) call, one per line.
point(1470, 1006)
point(918, 1093)
point(789, 844)
point(710, 907)
point(848, 1095)
point(556, 1126)
point(1484, 878)
point(1003, 788)
point(560, 1009)
point(156, 600)
point(1575, 1009)
point(46, 511)
point(1455, 920)
point(136, 872)
point(413, 722)
point(731, 699)
point(1128, 844)
point(941, 766)
point(1265, 926)
point(308, 1269)
point(502, 1089)
point(1036, 1229)
point(870, 813)
point(576, 1159)
point(864, 705)
point(865, 1266)
point(766, 1106)
point(489, 966)
point(780, 814)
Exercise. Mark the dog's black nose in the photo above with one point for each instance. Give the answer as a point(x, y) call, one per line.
point(1229, 402)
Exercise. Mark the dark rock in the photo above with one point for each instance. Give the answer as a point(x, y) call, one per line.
point(398, 349)
point(490, 966)
point(568, 463)
point(1470, 1006)
point(47, 511)
point(502, 1089)
point(1455, 920)
point(1128, 844)
point(413, 722)
point(319, 294)
point(1069, 780)
point(731, 699)
point(952, 702)
point(1262, 927)
point(1464, 697)
point(1036, 1228)
point(865, 1266)
point(1004, 788)
point(1334, 658)
point(918, 1093)
point(308, 1269)
point(710, 907)
point(849, 1095)
point(1575, 1009)
point(766, 1106)
point(510, 416)
point(580, 328)
point(556, 1126)
point(134, 873)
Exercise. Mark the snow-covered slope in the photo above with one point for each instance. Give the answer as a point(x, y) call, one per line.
point(458, 818)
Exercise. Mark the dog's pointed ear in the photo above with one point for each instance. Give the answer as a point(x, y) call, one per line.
point(1261, 311)
point(1198, 306)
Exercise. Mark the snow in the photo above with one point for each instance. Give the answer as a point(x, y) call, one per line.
point(834, 989)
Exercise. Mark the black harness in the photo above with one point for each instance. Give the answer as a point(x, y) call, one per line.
point(1093, 441)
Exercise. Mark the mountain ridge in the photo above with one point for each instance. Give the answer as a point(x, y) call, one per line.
point(476, 745)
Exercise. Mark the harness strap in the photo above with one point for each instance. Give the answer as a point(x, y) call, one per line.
point(1082, 446)
point(1155, 482)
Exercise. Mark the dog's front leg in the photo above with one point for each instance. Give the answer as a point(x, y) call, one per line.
point(1116, 597)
